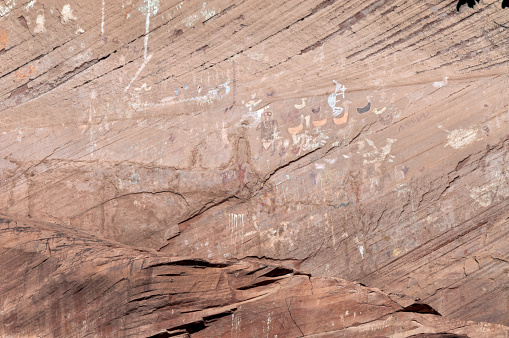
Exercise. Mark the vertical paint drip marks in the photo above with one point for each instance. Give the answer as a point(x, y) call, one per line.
point(150, 7)
point(235, 326)
point(102, 21)
point(236, 221)
point(147, 27)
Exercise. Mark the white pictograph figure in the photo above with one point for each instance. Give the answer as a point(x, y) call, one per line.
point(333, 99)
point(214, 92)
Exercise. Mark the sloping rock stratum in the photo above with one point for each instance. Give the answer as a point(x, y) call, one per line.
point(67, 283)
point(238, 161)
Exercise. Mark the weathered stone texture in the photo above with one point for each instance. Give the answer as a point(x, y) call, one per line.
point(66, 283)
point(357, 140)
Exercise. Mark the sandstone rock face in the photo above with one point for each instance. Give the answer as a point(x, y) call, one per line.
point(362, 141)
point(89, 286)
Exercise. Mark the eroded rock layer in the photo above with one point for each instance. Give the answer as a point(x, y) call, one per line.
point(362, 140)
point(64, 283)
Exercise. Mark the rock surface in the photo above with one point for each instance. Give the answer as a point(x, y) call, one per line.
point(65, 283)
point(360, 140)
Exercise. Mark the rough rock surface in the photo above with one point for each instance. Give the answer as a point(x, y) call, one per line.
point(360, 140)
point(88, 286)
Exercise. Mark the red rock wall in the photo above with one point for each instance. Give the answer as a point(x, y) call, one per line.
point(358, 140)
point(65, 283)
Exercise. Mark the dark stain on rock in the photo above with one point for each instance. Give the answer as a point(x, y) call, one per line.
point(364, 109)
point(19, 91)
point(23, 21)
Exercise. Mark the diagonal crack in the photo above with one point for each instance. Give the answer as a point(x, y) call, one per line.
point(289, 306)
point(131, 194)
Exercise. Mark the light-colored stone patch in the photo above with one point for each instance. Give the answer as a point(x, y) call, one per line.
point(30, 5)
point(486, 194)
point(7, 8)
point(440, 84)
point(39, 24)
point(190, 20)
point(208, 13)
point(308, 142)
point(67, 14)
point(460, 138)
point(379, 155)
point(79, 30)
point(150, 7)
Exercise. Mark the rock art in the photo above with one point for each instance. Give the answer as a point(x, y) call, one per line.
point(304, 161)
point(69, 283)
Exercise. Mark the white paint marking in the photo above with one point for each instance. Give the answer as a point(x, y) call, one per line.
point(30, 5)
point(460, 138)
point(9, 5)
point(102, 21)
point(379, 155)
point(67, 14)
point(39, 23)
point(151, 7)
point(147, 28)
point(79, 30)
point(486, 194)
point(440, 84)
point(212, 94)
point(139, 71)
point(302, 105)
point(333, 99)
point(143, 87)
point(307, 118)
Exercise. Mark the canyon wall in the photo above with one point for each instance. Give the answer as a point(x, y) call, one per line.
point(359, 141)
